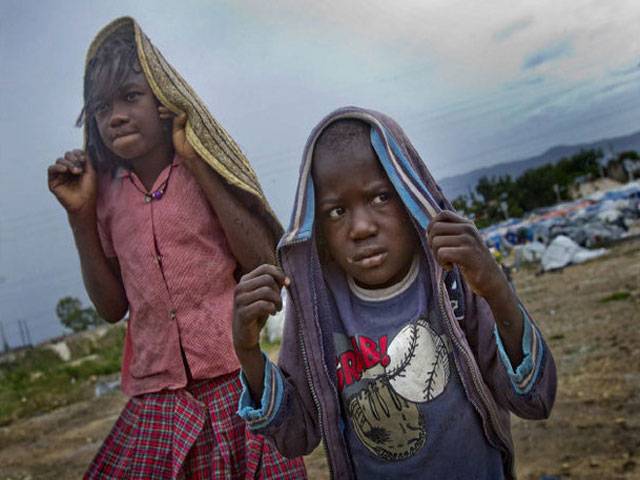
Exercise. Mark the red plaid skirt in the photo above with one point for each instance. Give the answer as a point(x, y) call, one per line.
point(193, 433)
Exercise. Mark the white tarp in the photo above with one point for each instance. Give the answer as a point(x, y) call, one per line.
point(563, 251)
point(275, 323)
point(275, 326)
point(529, 252)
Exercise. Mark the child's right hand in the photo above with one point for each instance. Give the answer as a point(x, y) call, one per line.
point(256, 296)
point(73, 180)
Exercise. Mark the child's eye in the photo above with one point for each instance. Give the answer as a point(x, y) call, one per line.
point(101, 108)
point(131, 96)
point(335, 213)
point(381, 198)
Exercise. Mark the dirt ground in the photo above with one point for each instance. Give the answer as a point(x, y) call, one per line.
point(590, 315)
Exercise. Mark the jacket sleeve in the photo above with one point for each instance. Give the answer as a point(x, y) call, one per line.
point(287, 414)
point(529, 389)
point(522, 376)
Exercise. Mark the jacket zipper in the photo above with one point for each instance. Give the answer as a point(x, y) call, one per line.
point(316, 401)
point(474, 376)
point(307, 371)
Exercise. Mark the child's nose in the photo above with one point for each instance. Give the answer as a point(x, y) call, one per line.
point(362, 224)
point(119, 115)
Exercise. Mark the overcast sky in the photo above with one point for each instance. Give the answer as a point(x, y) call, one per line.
point(472, 85)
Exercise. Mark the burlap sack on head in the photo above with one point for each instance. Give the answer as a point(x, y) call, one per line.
point(214, 145)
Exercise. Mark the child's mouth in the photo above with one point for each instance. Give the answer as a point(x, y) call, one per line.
point(369, 260)
point(122, 136)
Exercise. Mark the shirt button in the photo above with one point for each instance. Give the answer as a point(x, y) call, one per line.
point(172, 314)
point(158, 259)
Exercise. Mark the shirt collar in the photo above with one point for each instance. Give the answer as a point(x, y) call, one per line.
point(382, 294)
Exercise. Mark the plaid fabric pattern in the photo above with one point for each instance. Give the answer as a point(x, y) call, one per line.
point(193, 433)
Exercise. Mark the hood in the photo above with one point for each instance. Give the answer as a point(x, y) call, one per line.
point(407, 172)
point(210, 140)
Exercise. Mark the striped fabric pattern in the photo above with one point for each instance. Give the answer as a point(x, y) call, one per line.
point(524, 377)
point(414, 193)
point(260, 416)
point(191, 433)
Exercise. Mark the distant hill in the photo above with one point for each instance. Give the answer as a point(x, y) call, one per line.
point(461, 184)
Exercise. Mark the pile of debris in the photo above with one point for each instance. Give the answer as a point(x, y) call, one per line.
point(560, 235)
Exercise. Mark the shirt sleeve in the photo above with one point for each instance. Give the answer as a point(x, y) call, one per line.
point(260, 416)
point(524, 376)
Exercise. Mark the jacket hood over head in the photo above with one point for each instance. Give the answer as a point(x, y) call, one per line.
point(401, 162)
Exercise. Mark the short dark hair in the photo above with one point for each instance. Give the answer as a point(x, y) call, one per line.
point(340, 133)
point(105, 73)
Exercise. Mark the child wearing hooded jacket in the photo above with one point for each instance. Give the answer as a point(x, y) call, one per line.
point(404, 347)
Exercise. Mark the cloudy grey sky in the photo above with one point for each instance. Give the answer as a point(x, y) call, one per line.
point(471, 84)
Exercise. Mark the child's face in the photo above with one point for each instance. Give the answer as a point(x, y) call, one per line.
point(129, 123)
point(362, 219)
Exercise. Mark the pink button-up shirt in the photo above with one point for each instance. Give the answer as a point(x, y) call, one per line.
point(177, 271)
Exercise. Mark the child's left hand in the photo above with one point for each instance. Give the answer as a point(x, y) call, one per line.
point(179, 135)
point(456, 240)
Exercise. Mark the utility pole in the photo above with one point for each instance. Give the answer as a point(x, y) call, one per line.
point(5, 343)
point(23, 336)
point(27, 332)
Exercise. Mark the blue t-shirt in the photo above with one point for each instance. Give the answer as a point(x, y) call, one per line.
point(405, 406)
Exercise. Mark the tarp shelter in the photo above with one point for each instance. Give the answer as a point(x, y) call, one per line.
point(563, 251)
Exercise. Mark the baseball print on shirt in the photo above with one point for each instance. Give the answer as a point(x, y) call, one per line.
point(382, 382)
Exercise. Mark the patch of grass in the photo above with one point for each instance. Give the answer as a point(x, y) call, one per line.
point(614, 297)
point(38, 381)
